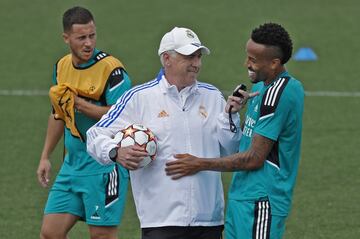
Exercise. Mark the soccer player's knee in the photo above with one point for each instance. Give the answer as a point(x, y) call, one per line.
point(50, 234)
point(103, 235)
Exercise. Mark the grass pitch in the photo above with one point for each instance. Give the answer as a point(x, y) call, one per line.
point(327, 193)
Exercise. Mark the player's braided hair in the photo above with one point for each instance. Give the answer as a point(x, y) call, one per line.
point(272, 34)
point(76, 15)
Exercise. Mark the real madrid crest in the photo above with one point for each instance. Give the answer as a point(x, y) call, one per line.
point(203, 112)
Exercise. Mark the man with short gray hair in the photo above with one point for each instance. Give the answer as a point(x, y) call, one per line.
point(186, 116)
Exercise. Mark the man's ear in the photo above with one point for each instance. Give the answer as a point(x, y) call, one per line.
point(166, 58)
point(65, 37)
point(275, 63)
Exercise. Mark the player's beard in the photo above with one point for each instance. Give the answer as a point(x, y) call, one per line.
point(83, 55)
point(256, 76)
point(86, 54)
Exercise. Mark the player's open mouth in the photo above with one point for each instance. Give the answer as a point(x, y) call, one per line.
point(88, 51)
point(251, 73)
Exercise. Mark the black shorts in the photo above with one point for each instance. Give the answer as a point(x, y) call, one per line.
point(214, 232)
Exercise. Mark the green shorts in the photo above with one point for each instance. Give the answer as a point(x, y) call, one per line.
point(97, 199)
point(252, 219)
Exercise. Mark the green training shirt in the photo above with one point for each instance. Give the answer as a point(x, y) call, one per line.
point(276, 113)
point(116, 81)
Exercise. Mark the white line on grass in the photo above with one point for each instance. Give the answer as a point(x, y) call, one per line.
point(20, 92)
point(323, 93)
point(24, 92)
point(333, 93)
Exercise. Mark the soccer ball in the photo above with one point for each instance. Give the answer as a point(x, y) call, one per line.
point(140, 135)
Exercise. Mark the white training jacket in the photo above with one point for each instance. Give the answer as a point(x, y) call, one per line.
point(192, 121)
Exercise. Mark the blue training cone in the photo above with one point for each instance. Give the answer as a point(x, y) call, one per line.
point(305, 54)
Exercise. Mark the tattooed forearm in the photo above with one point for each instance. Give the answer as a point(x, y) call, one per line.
point(240, 161)
point(243, 161)
point(249, 160)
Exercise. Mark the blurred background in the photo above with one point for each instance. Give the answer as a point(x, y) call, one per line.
point(327, 193)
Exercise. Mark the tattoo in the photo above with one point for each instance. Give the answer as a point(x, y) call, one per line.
point(241, 162)
point(251, 159)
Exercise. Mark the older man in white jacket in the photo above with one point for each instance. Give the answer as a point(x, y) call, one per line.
point(186, 116)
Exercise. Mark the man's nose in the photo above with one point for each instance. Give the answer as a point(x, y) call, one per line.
point(196, 61)
point(246, 63)
point(88, 41)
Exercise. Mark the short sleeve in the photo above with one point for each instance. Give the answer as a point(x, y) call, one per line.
point(118, 82)
point(274, 110)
